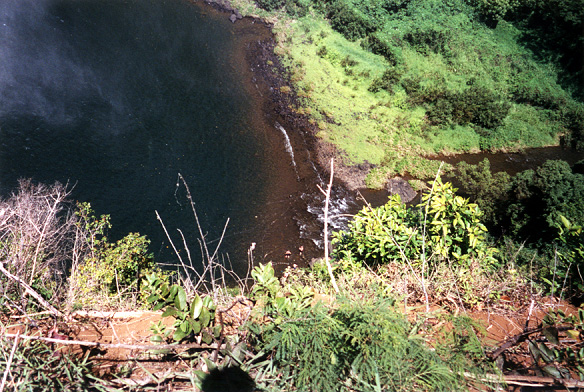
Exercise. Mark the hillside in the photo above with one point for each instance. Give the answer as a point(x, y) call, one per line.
point(393, 82)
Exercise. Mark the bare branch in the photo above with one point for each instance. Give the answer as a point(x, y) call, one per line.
point(111, 345)
point(33, 293)
point(326, 208)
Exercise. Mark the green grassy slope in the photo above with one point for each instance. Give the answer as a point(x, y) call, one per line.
point(390, 82)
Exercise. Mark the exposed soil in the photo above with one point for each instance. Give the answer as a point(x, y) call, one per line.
point(126, 348)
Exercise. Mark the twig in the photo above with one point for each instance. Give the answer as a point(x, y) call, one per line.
point(519, 338)
point(33, 293)
point(29, 315)
point(527, 381)
point(119, 345)
point(9, 362)
point(326, 208)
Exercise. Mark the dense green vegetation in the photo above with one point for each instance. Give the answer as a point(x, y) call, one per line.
point(348, 327)
point(392, 81)
point(540, 209)
point(389, 82)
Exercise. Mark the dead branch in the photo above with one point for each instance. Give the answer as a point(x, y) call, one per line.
point(33, 293)
point(111, 315)
point(327, 195)
point(518, 339)
point(527, 381)
point(144, 347)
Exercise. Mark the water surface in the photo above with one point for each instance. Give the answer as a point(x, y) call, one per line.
point(116, 97)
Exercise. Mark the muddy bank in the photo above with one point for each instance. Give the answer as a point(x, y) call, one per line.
point(280, 104)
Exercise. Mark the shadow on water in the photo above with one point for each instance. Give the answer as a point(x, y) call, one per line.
point(117, 97)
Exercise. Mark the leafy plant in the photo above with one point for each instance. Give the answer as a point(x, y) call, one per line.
point(191, 318)
point(275, 300)
point(444, 225)
point(554, 357)
point(342, 348)
point(567, 273)
point(108, 268)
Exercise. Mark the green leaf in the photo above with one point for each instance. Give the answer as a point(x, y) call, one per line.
point(185, 326)
point(551, 334)
point(153, 298)
point(206, 337)
point(196, 307)
point(552, 371)
point(173, 290)
point(205, 317)
point(156, 339)
point(208, 302)
point(170, 311)
point(548, 353)
point(179, 335)
point(196, 326)
point(535, 351)
point(180, 301)
point(217, 331)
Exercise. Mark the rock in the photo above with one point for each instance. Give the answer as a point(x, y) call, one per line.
point(233, 18)
point(402, 188)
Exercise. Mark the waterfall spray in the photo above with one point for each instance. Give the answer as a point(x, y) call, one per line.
point(288, 148)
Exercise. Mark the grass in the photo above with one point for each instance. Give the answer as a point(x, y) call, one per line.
point(389, 127)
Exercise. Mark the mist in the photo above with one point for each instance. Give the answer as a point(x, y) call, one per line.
point(67, 61)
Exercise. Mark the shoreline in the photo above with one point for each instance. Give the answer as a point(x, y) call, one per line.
point(274, 76)
point(281, 104)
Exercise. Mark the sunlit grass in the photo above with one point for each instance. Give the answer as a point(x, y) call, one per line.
point(333, 77)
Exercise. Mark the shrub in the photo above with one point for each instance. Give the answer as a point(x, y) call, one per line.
point(37, 235)
point(386, 82)
point(495, 10)
point(538, 198)
point(378, 45)
point(271, 5)
point(475, 105)
point(349, 21)
point(442, 227)
point(487, 189)
point(108, 268)
point(328, 350)
point(429, 39)
point(569, 270)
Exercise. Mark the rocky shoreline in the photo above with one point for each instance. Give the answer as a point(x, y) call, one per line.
point(268, 68)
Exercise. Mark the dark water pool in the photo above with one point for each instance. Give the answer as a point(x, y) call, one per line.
point(117, 97)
